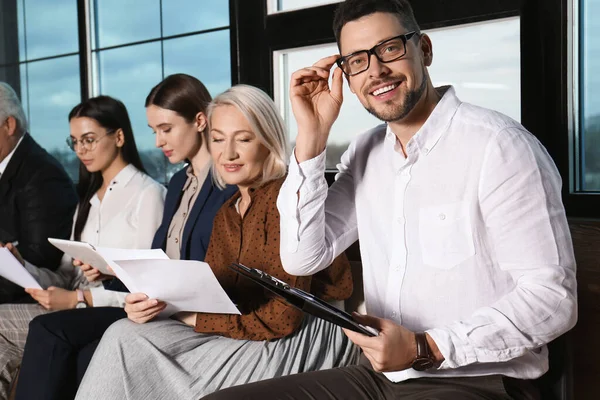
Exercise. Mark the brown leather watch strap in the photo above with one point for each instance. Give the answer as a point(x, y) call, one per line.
point(422, 346)
point(424, 360)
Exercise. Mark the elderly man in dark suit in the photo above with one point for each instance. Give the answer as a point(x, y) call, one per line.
point(37, 197)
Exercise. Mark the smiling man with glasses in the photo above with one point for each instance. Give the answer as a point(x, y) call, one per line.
point(467, 259)
point(37, 197)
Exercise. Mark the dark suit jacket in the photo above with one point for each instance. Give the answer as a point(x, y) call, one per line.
point(198, 227)
point(37, 201)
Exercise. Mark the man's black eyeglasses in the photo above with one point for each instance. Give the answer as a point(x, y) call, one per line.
point(387, 51)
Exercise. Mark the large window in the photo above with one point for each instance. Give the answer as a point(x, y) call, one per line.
point(133, 45)
point(588, 165)
point(484, 70)
point(42, 65)
point(131, 55)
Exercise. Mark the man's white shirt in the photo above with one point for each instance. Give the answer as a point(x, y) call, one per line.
point(465, 238)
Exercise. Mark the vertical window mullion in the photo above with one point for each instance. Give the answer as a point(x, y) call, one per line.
point(84, 48)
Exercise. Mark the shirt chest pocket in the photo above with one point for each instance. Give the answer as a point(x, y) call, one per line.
point(445, 234)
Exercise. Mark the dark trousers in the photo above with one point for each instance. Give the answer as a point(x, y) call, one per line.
point(360, 382)
point(59, 349)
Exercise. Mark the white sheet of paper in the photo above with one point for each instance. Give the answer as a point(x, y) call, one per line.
point(99, 257)
point(184, 285)
point(11, 269)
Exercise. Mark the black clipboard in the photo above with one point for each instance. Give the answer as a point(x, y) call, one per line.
point(303, 300)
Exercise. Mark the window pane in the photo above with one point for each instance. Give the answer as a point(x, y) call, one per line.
point(128, 74)
point(482, 61)
point(21, 29)
point(183, 16)
point(182, 56)
point(590, 101)
point(50, 28)
point(24, 88)
point(120, 22)
point(287, 5)
point(54, 89)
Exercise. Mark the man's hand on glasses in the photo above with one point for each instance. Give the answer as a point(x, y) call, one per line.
point(316, 105)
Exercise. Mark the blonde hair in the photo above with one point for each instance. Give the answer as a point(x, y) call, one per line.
point(266, 123)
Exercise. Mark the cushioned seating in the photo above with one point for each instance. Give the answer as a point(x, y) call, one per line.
point(557, 383)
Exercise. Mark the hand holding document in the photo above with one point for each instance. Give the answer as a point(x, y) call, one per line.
point(183, 285)
point(88, 254)
point(11, 269)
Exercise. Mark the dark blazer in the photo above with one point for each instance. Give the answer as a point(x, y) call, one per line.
point(37, 201)
point(198, 227)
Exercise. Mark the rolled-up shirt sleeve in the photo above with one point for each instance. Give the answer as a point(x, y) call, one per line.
point(107, 298)
point(520, 202)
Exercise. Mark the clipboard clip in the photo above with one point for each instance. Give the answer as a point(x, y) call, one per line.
point(279, 283)
point(262, 276)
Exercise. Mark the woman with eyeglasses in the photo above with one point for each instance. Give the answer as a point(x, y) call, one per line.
point(66, 340)
point(119, 206)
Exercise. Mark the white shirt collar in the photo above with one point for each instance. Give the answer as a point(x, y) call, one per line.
point(437, 123)
point(4, 163)
point(120, 180)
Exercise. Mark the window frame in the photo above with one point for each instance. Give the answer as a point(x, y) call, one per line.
point(579, 203)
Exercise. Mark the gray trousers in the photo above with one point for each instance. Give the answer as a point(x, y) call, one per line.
point(167, 360)
point(360, 382)
point(14, 325)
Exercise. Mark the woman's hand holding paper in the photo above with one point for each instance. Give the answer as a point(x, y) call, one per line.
point(140, 309)
point(91, 273)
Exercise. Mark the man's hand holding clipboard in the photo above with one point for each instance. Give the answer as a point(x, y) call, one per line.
point(303, 300)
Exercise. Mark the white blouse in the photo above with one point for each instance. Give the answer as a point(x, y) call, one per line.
point(127, 217)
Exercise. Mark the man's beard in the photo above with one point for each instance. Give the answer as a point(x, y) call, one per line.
point(402, 110)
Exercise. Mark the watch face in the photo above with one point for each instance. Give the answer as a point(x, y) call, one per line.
point(422, 364)
point(81, 304)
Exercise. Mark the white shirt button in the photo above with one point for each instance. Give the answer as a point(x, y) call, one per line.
point(426, 150)
point(400, 220)
point(393, 314)
point(442, 216)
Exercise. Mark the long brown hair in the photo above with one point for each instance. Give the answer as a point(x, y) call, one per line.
point(112, 115)
point(182, 93)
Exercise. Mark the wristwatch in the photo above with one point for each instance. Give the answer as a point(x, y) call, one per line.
point(80, 299)
point(424, 359)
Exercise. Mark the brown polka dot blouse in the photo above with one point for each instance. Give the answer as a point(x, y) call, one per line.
point(254, 241)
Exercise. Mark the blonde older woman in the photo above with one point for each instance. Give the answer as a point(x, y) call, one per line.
point(200, 353)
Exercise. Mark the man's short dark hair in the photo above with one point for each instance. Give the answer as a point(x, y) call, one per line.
point(351, 10)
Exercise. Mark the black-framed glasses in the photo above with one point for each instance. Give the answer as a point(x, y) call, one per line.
point(387, 51)
point(89, 143)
